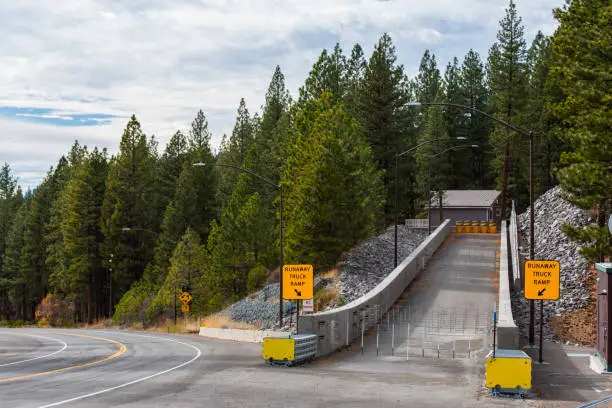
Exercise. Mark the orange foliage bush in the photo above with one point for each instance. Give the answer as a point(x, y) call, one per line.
point(54, 311)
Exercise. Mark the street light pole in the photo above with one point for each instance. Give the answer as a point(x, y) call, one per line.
point(110, 287)
point(280, 190)
point(397, 156)
point(503, 210)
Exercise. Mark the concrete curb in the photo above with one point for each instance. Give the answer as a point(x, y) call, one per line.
point(250, 336)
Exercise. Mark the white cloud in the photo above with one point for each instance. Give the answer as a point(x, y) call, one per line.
point(164, 60)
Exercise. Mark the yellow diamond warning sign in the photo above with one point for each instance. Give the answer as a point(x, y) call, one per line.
point(542, 280)
point(298, 282)
point(185, 297)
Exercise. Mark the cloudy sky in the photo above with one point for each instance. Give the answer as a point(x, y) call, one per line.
point(78, 69)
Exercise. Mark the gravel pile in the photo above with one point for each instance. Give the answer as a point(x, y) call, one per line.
point(261, 308)
point(371, 262)
point(362, 269)
point(551, 212)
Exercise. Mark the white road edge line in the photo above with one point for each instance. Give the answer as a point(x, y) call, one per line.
point(80, 397)
point(65, 346)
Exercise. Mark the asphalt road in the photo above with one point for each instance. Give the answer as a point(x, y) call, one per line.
point(42, 368)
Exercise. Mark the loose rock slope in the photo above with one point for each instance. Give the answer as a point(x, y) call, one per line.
point(360, 270)
point(567, 319)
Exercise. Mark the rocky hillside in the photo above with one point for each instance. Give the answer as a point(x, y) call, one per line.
point(360, 270)
point(571, 317)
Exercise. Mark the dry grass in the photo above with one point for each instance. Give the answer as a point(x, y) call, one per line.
point(332, 273)
point(98, 324)
point(325, 297)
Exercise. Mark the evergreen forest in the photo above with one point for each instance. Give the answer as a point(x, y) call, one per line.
point(120, 236)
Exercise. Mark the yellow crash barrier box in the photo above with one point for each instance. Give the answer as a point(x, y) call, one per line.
point(459, 226)
point(492, 227)
point(291, 350)
point(509, 372)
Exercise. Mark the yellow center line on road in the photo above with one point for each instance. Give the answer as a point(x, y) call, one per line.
point(121, 351)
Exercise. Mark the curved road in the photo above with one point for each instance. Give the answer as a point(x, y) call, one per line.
point(43, 368)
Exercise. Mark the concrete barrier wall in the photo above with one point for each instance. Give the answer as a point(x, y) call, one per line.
point(251, 336)
point(341, 326)
point(507, 332)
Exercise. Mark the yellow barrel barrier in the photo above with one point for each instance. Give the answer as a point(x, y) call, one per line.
point(459, 226)
point(508, 372)
point(474, 226)
point(483, 227)
point(289, 351)
point(492, 227)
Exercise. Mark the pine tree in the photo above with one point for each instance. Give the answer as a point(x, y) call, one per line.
point(82, 234)
point(474, 93)
point(355, 70)
point(171, 164)
point(428, 83)
point(334, 194)
point(188, 264)
point(329, 73)
point(507, 76)
point(454, 161)
point(387, 122)
point(234, 152)
point(129, 202)
point(12, 281)
point(11, 199)
point(547, 145)
point(428, 87)
point(581, 68)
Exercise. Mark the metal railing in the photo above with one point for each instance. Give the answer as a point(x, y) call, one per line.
point(442, 333)
point(418, 223)
point(514, 251)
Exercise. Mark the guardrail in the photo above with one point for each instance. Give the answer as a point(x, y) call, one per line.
point(507, 332)
point(341, 326)
point(417, 223)
point(514, 254)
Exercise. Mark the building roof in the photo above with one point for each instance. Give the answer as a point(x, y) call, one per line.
point(467, 198)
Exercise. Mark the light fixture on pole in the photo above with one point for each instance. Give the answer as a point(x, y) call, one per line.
point(280, 190)
point(503, 210)
point(397, 156)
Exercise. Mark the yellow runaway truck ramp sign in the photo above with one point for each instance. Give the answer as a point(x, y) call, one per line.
point(542, 280)
point(298, 282)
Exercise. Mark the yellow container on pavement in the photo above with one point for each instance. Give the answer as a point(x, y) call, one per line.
point(483, 227)
point(278, 348)
point(459, 226)
point(474, 226)
point(492, 227)
point(509, 371)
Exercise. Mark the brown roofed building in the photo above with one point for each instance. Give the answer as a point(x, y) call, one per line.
point(466, 205)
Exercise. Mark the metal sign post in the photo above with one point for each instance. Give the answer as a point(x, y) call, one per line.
point(494, 331)
point(541, 329)
point(542, 282)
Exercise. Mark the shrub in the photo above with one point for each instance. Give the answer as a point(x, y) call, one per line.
point(54, 310)
point(256, 278)
point(133, 304)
